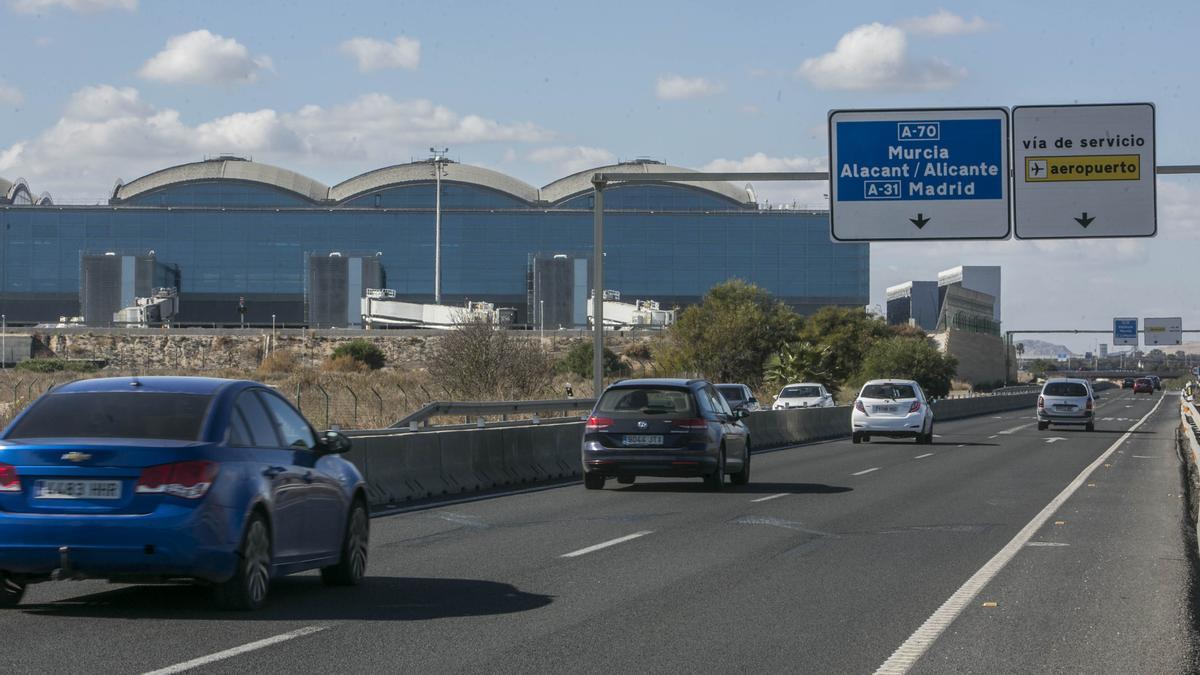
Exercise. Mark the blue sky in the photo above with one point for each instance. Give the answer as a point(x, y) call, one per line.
point(94, 90)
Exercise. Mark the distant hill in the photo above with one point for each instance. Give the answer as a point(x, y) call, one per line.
point(1040, 349)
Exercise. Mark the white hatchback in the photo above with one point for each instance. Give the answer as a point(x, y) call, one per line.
point(892, 408)
point(803, 395)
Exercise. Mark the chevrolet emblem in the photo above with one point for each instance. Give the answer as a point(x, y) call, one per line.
point(76, 457)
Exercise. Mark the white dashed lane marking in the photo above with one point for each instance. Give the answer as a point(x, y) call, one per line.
point(606, 544)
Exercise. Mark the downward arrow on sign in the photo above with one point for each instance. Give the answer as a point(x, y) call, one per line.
point(1055, 438)
point(1085, 221)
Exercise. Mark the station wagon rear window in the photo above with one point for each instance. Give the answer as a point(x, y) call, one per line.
point(892, 391)
point(156, 416)
point(1065, 389)
point(646, 401)
point(731, 393)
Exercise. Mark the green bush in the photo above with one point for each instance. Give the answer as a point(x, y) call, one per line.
point(362, 351)
point(56, 366)
point(729, 336)
point(910, 359)
point(578, 361)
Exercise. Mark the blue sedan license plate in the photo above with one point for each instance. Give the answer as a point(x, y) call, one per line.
point(78, 489)
point(642, 440)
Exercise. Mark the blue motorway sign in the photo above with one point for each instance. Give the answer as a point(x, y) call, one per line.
point(1125, 331)
point(919, 174)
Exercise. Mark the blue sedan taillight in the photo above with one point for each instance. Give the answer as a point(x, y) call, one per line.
point(8, 479)
point(189, 480)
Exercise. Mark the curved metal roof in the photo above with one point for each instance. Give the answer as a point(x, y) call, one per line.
point(230, 168)
point(422, 171)
point(10, 189)
point(578, 183)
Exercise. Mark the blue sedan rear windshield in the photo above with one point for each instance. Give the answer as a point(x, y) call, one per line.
point(152, 415)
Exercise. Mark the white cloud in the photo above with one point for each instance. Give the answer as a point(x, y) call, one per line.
point(943, 22)
point(678, 87)
point(790, 194)
point(373, 54)
point(10, 95)
point(201, 57)
point(34, 6)
point(570, 159)
point(1179, 208)
point(106, 132)
point(750, 109)
point(875, 57)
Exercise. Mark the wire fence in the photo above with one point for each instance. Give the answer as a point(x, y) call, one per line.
point(347, 401)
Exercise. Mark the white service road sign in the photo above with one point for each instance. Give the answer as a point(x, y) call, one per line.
point(919, 174)
point(1163, 330)
point(1084, 171)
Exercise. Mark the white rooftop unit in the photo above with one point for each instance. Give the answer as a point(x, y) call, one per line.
point(639, 313)
point(381, 308)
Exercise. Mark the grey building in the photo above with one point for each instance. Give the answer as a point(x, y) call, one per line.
point(980, 278)
point(913, 302)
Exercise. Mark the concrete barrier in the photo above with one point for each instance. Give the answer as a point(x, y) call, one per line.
point(958, 408)
point(403, 466)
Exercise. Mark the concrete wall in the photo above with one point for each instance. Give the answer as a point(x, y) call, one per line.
point(980, 356)
point(402, 466)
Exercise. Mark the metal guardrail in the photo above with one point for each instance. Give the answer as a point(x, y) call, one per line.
point(502, 408)
point(1002, 391)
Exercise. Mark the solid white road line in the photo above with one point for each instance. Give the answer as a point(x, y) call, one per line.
point(928, 454)
point(769, 497)
point(1014, 429)
point(248, 647)
point(874, 468)
point(606, 544)
point(922, 639)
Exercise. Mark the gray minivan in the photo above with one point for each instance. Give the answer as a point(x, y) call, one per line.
point(1066, 401)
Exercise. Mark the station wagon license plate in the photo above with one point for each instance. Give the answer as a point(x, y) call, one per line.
point(642, 439)
point(77, 489)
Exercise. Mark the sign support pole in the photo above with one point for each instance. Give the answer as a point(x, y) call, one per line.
point(598, 185)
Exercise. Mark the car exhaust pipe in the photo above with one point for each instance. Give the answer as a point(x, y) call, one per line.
point(65, 572)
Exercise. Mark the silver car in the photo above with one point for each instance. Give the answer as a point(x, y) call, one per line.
point(1066, 401)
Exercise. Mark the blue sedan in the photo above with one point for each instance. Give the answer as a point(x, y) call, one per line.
point(215, 481)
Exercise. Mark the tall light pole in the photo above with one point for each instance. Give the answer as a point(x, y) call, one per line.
point(439, 167)
point(3, 341)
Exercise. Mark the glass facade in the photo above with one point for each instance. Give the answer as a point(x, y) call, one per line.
point(238, 238)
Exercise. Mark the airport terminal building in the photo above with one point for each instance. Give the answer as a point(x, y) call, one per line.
point(227, 228)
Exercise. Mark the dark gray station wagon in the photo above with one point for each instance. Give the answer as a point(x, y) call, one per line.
point(665, 427)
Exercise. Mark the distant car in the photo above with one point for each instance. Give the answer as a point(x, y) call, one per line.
point(197, 479)
point(1066, 401)
point(665, 427)
point(892, 408)
point(739, 396)
point(1143, 385)
point(1157, 382)
point(1127, 383)
point(803, 395)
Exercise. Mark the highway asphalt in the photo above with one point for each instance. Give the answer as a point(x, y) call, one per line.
point(837, 558)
